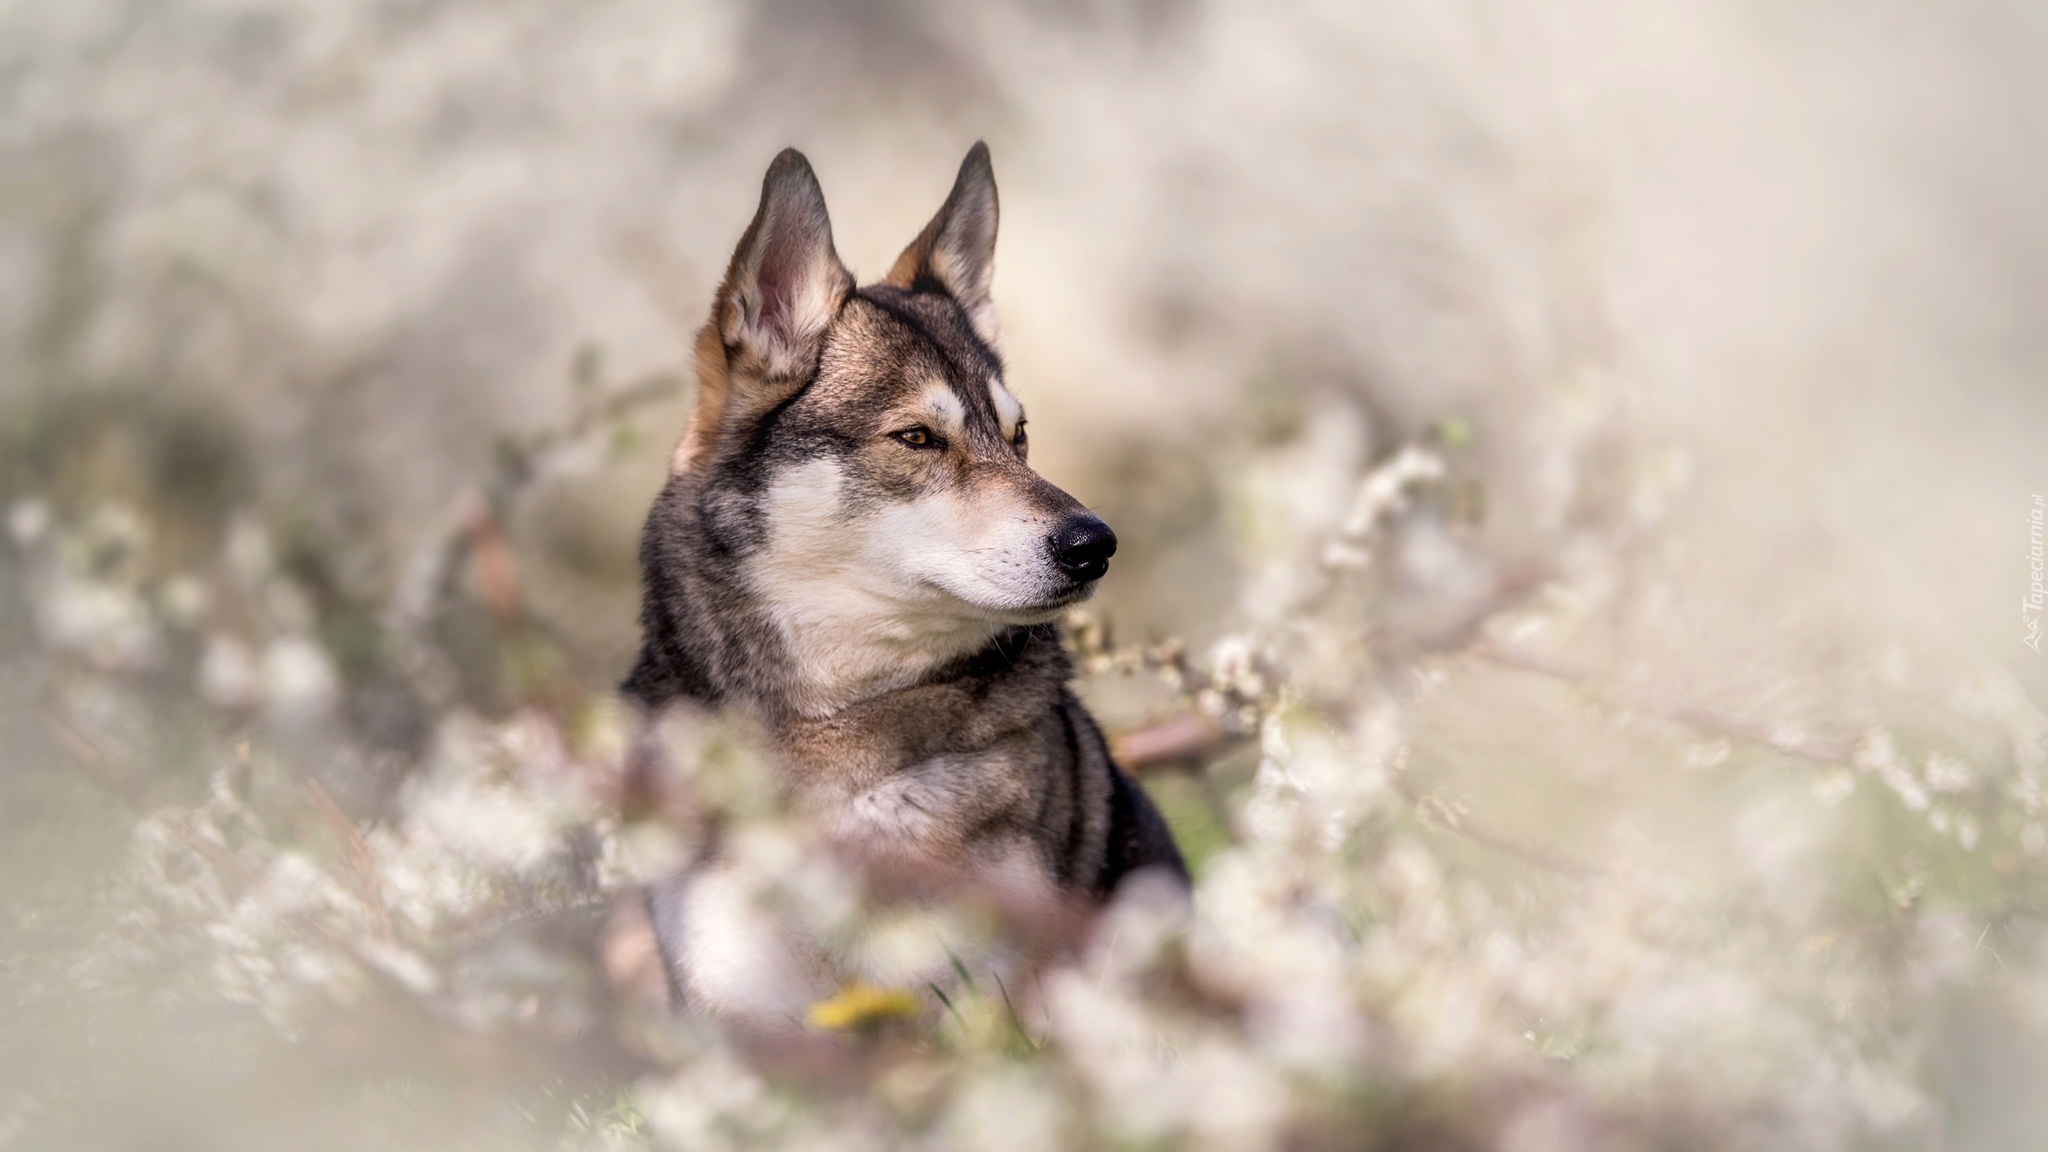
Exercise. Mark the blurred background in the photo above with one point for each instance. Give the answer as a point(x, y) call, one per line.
point(1612, 428)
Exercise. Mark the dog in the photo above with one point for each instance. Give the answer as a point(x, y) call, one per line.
point(852, 550)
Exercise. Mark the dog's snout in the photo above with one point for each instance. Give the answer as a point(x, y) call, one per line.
point(1082, 547)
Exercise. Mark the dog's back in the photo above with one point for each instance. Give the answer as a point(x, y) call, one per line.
point(852, 548)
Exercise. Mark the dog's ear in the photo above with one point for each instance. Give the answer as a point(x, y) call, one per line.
point(956, 252)
point(782, 290)
point(785, 283)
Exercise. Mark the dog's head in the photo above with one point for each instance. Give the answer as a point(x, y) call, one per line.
point(856, 451)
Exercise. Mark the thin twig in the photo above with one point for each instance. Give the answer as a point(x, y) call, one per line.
point(1175, 739)
point(362, 865)
point(1462, 633)
point(1506, 845)
point(1691, 716)
point(90, 757)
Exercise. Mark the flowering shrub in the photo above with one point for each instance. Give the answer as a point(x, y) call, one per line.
point(1374, 956)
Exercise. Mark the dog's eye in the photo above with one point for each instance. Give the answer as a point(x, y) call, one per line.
point(1020, 441)
point(919, 437)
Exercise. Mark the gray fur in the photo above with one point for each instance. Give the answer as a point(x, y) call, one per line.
point(957, 744)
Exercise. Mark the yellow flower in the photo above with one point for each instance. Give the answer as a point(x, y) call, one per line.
point(861, 1005)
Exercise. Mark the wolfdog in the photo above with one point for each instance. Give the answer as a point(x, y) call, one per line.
point(852, 550)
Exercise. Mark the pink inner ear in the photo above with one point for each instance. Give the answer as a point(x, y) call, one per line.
point(779, 290)
point(777, 281)
point(785, 261)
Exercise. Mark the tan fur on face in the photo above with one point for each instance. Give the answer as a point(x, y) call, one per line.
point(942, 410)
point(1008, 411)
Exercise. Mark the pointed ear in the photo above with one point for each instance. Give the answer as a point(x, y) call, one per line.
point(784, 287)
point(785, 283)
point(956, 252)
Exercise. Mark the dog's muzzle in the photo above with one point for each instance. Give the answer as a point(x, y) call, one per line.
point(1082, 547)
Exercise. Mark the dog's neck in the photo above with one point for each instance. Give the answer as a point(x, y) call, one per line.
point(821, 667)
point(846, 654)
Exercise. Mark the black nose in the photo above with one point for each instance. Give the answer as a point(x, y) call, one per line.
point(1082, 547)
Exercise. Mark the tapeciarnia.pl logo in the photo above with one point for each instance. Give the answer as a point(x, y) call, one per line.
point(2037, 596)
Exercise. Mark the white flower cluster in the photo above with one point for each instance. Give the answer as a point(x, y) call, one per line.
point(1366, 950)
